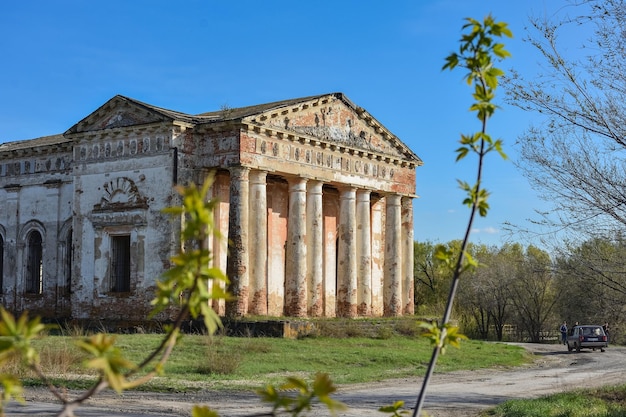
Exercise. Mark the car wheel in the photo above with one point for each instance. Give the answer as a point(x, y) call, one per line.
point(602, 350)
point(577, 347)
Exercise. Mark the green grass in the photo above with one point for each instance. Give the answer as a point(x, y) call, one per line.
point(603, 402)
point(202, 362)
point(242, 363)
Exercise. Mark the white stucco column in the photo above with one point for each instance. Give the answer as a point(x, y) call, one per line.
point(220, 191)
point(258, 243)
point(346, 254)
point(237, 263)
point(315, 248)
point(408, 293)
point(364, 251)
point(378, 253)
point(393, 257)
point(296, 298)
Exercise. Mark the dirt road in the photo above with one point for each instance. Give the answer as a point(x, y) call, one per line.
point(449, 395)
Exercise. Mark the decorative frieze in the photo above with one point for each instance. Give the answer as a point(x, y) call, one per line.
point(51, 164)
point(326, 157)
point(103, 148)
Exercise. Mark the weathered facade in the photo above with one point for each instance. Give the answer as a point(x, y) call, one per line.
point(315, 198)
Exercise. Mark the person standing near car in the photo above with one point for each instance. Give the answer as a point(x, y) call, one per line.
point(605, 327)
point(563, 331)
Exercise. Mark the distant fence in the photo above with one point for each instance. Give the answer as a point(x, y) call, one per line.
point(513, 333)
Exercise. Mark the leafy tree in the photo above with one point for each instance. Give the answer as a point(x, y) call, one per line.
point(575, 157)
point(594, 272)
point(532, 293)
point(471, 307)
point(476, 55)
point(504, 268)
point(485, 294)
point(432, 277)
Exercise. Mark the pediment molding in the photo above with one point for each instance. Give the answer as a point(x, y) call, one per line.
point(333, 119)
point(117, 113)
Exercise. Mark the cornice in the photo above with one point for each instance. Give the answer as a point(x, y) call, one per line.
point(39, 150)
point(333, 146)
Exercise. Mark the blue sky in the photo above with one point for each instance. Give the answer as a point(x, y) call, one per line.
point(63, 59)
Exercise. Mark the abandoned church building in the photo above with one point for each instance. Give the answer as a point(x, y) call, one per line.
point(315, 197)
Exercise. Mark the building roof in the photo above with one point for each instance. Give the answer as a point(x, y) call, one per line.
point(34, 143)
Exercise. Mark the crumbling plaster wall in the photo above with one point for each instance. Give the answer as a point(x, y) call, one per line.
point(35, 195)
point(122, 194)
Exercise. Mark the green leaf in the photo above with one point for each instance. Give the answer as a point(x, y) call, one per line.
point(395, 409)
point(107, 359)
point(462, 152)
point(203, 411)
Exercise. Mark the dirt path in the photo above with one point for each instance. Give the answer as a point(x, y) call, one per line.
point(449, 395)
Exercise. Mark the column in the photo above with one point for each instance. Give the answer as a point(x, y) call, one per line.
point(220, 191)
point(346, 262)
point(315, 248)
point(408, 293)
point(393, 253)
point(364, 251)
point(296, 297)
point(258, 243)
point(237, 262)
point(378, 253)
point(330, 201)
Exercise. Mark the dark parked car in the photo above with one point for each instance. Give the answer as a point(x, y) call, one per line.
point(587, 337)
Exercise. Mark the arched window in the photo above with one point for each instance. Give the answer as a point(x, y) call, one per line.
point(34, 272)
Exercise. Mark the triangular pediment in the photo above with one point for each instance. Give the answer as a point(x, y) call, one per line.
point(335, 119)
point(121, 112)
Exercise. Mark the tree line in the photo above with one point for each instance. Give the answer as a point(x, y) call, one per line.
point(524, 293)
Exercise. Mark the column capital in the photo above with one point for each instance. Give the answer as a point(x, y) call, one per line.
point(258, 176)
point(393, 199)
point(239, 172)
point(315, 186)
point(346, 188)
point(363, 195)
point(296, 183)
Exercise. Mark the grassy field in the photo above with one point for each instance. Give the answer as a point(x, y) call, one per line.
point(244, 363)
point(221, 362)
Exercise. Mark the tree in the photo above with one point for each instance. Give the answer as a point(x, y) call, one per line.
point(591, 281)
point(576, 156)
point(485, 291)
point(432, 278)
point(532, 292)
point(476, 55)
point(474, 302)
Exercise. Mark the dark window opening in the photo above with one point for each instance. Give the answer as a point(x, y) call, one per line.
point(34, 266)
point(120, 263)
